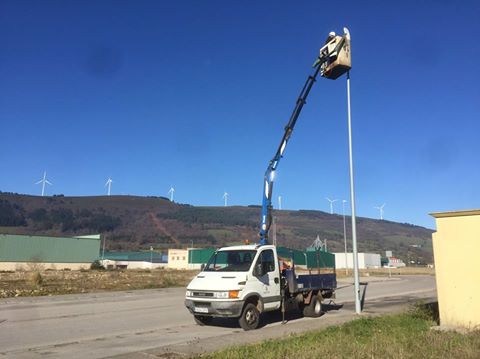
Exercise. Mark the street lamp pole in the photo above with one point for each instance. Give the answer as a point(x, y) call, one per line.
point(103, 250)
point(345, 236)
point(358, 308)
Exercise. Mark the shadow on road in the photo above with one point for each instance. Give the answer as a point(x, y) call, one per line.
point(331, 306)
point(273, 317)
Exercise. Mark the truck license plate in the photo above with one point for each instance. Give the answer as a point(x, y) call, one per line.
point(200, 310)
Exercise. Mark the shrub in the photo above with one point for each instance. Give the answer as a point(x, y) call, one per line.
point(97, 265)
point(36, 279)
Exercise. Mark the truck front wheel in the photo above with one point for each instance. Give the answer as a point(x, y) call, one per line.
point(250, 318)
point(314, 309)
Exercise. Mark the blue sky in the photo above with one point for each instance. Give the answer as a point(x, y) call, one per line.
point(195, 94)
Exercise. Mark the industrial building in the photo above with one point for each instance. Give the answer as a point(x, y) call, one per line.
point(199, 256)
point(134, 260)
point(23, 252)
point(456, 245)
point(190, 258)
point(178, 258)
point(193, 258)
point(394, 262)
point(365, 260)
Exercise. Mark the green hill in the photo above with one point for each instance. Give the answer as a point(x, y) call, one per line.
point(135, 223)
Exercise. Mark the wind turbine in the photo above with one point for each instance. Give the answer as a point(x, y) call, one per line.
point(280, 202)
point(170, 192)
point(381, 210)
point(225, 198)
point(109, 185)
point(331, 203)
point(43, 181)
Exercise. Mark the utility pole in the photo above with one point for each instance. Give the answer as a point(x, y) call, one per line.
point(103, 250)
point(274, 225)
point(356, 278)
point(345, 236)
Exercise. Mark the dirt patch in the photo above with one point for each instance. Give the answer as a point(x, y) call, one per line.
point(48, 282)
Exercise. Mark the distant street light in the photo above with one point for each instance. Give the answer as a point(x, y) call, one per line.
point(151, 254)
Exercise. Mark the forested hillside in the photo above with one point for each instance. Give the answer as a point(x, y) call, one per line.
point(136, 223)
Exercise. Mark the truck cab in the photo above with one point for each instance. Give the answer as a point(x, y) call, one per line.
point(233, 278)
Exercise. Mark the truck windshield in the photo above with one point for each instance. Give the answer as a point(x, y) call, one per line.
point(231, 261)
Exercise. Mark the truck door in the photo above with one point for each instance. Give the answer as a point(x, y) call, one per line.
point(269, 279)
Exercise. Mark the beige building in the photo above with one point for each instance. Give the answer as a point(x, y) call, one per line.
point(456, 246)
point(178, 258)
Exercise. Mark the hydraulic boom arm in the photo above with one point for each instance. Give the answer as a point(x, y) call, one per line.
point(328, 55)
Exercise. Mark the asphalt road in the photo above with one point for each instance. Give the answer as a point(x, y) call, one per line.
point(131, 324)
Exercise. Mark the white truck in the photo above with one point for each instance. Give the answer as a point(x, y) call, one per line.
point(245, 281)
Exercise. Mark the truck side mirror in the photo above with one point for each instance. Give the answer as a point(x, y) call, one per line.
point(202, 267)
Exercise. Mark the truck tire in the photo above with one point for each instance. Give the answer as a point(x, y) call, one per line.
point(202, 319)
point(314, 309)
point(250, 318)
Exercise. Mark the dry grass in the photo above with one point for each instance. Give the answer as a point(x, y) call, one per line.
point(382, 272)
point(35, 283)
point(397, 336)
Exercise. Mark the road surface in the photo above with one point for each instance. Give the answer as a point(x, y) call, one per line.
point(124, 323)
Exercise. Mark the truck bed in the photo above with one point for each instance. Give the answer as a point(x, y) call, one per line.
point(317, 281)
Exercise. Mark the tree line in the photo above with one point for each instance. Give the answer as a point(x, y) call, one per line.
point(13, 215)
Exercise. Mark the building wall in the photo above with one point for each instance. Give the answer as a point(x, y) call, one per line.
point(117, 264)
point(456, 245)
point(365, 260)
point(178, 259)
point(395, 262)
point(136, 256)
point(198, 256)
point(28, 266)
point(43, 249)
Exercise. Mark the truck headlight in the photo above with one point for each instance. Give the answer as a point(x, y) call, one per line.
point(188, 293)
point(221, 295)
point(231, 294)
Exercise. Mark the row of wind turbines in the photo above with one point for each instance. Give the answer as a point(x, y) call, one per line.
point(171, 192)
point(332, 201)
point(44, 181)
point(108, 184)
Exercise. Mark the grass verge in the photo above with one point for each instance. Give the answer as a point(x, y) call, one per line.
point(405, 335)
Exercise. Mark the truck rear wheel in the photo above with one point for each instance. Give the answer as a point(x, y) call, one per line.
point(314, 309)
point(202, 319)
point(250, 318)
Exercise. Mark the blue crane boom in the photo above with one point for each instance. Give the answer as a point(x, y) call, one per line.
point(327, 64)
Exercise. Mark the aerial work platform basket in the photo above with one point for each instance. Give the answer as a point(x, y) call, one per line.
point(339, 60)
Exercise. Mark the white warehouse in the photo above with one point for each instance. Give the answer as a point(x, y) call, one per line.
point(365, 260)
